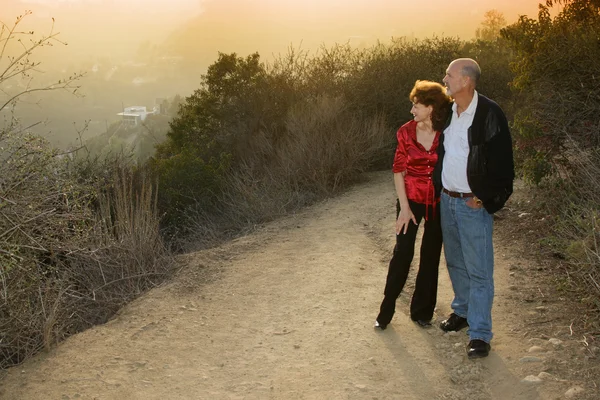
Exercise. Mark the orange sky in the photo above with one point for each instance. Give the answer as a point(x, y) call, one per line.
point(117, 27)
point(109, 33)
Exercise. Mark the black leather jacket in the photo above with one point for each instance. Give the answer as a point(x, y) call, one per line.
point(490, 166)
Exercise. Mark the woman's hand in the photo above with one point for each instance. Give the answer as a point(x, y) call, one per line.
point(404, 219)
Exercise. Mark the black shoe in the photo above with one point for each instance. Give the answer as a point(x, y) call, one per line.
point(478, 349)
point(379, 326)
point(422, 323)
point(454, 323)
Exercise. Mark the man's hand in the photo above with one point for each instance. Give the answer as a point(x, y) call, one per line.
point(474, 202)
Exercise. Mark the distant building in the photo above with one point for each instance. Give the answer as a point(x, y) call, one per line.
point(134, 115)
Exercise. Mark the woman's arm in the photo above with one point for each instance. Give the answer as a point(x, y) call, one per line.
point(406, 214)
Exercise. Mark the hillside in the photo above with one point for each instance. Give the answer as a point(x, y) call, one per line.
point(287, 312)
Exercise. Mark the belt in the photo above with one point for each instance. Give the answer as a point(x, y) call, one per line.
point(457, 194)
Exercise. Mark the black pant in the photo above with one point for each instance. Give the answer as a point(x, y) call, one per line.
point(425, 294)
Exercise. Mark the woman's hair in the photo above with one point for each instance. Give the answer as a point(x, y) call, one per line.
point(432, 94)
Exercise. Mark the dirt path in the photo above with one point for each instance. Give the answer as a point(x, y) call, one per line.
point(287, 313)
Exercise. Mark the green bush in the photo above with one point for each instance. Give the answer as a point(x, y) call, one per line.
point(556, 85)
point(557, 94)
point(186, 180)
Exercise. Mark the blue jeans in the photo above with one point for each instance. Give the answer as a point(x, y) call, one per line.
point(469, 255)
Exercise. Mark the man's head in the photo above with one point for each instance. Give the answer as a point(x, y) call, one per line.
point(462, 76)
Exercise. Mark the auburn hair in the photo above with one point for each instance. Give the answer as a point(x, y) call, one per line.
point(433, 94)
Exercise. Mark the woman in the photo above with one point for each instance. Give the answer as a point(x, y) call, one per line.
point(416, 155)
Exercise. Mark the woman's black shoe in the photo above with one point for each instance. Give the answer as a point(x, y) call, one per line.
point(379, 326)
point(423, 323)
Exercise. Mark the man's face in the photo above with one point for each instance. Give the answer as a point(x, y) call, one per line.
point(454, 80)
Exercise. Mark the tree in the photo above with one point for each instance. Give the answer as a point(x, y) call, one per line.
point(211, 132)
point(490, 28)
point(551, 3)
point(556, 83)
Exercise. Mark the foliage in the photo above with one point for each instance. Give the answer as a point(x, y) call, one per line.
point(576, 233)
point(73, 249)
point(225, 100)
point(556, 81)
point(558, 129)
point(387, 73)
point(202, 142)
point(241, 125)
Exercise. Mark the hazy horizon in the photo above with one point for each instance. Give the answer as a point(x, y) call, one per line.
point(118, 42)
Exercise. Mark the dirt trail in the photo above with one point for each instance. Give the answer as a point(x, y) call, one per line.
point(287, 313)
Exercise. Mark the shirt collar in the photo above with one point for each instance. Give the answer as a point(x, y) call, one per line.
point(472, 106)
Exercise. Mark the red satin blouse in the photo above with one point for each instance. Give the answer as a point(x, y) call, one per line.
point(418, 163)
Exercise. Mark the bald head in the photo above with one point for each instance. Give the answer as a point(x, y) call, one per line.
point(468, 68)
point(461, 78)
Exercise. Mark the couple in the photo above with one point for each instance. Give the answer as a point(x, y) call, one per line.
point(454, 168)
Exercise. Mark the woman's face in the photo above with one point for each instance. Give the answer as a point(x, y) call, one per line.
point(421, 113)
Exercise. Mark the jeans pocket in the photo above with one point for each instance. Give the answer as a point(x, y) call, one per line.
point(476, 207)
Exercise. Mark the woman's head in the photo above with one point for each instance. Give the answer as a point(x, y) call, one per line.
point(430, 99)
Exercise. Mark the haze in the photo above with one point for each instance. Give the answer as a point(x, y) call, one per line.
point(128, 36)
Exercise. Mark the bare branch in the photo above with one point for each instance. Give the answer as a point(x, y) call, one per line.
point(21, 64)
point(60, 85)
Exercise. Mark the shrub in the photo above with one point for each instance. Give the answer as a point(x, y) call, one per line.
point(557, 128)
point(325, 149)
point(556, 82)
point(250, 124)
point(73, 250)
point(577, 222)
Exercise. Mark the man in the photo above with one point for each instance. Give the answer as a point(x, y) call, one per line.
point(475, 175)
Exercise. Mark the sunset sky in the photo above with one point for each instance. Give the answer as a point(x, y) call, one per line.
point(118, 27)
point(160, 48)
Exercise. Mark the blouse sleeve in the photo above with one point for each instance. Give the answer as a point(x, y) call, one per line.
point(400, 156)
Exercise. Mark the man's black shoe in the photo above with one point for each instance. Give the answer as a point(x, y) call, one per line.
point(478, 349)
point(423, 323)
point(454, 323)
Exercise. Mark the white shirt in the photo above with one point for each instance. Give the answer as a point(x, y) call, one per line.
point(456, 146)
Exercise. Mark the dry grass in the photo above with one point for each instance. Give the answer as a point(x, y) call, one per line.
point(579, 223)
point(73, 251)
point(324, 149)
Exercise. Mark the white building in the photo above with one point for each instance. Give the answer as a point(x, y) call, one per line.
point(134, 115)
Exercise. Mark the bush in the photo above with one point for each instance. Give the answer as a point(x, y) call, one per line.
point(557, 93)
point(303, 126)
point(578, 220)
point(73, 251)
point(557, 88)
point(387, 73)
